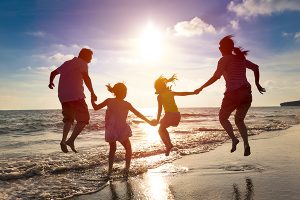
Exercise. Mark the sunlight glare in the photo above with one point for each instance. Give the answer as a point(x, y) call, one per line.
point(150, 43)
point(158, 188)
point(151, 132)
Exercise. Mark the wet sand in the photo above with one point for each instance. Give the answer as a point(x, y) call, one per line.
point(272, 171)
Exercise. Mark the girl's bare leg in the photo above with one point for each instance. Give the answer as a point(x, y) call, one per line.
point(165, 137)
point(111, 157)
point(127, 145)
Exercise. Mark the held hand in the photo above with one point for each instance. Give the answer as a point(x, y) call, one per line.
point(93, 97)
point(198, 90)
point(51, 85)
point(260, 89)
point(153, 122)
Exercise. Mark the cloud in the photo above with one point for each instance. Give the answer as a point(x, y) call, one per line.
point(252, 8)
point(234, 24)
point(293, 35)
point(42, 70)
point(194, 27)
point(36, 33)
point(59, 57)
point(286, 34)
point(297, 36)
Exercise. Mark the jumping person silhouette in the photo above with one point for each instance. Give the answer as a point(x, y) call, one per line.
point(232, 66)
point(70, 93)
point(166, 100)
point(116, 127)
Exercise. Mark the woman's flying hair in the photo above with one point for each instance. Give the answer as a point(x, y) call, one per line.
point(228, 44)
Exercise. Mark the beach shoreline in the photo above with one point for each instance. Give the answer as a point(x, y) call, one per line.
point(272, 171)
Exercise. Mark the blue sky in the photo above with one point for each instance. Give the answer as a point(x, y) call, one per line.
point(38, 36)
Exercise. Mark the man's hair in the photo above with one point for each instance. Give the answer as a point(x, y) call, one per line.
point(85, 53)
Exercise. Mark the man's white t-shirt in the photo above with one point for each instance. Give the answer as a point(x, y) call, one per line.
point(70, 87)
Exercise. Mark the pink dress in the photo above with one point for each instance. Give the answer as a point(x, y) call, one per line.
point(116, 127)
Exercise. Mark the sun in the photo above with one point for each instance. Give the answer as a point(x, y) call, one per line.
point(150, 43)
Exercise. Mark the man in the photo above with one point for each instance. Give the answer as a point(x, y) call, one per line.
point(71, 95)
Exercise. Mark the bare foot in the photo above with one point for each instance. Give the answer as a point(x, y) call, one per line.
point(63, 147)
point(71, 145)
point(234, 143)
point(247, 151)
point(168, 150)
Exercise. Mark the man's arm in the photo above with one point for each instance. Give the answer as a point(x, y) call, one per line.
point(52, 76)
point(89, 85)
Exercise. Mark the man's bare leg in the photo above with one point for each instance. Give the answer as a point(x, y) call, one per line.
point(77, 130)
point(67, 127)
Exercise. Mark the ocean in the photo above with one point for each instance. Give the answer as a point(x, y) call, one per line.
point(32, 165)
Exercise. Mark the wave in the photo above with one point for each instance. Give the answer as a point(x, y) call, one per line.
point(209, 129)
point(197, 115)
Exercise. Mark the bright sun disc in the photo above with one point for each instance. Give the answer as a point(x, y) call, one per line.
point(150, 43)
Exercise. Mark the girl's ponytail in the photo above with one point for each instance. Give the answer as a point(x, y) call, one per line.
point(240, 53)
point(172, 79)
point(109, 88)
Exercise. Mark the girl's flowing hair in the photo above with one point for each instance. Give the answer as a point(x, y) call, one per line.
point(161, 83)
point(240, 52)
point(119, 89)
point(227, 43)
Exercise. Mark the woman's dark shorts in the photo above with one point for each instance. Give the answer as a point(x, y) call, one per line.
point(77, 110)
point(239, 100)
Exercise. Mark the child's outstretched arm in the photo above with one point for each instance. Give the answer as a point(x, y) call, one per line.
point(140, 115)
point(183, 93)
point(99, 106)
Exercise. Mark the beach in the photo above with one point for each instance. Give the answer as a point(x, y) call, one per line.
point(272, 171)
point(32, 165)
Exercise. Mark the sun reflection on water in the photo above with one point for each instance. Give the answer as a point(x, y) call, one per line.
point(151, 132)
point(158, 188)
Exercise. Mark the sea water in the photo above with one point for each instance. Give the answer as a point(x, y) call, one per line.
point(32, 165)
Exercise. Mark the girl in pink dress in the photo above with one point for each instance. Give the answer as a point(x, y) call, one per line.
point(116, 127)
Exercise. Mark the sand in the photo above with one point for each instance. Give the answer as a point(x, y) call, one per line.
point(272, 171)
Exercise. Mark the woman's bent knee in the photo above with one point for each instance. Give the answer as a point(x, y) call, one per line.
point(238, 120)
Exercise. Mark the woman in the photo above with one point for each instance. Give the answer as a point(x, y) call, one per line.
point(238, 95)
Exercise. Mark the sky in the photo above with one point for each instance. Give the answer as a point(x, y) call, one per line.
point(136, 41)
